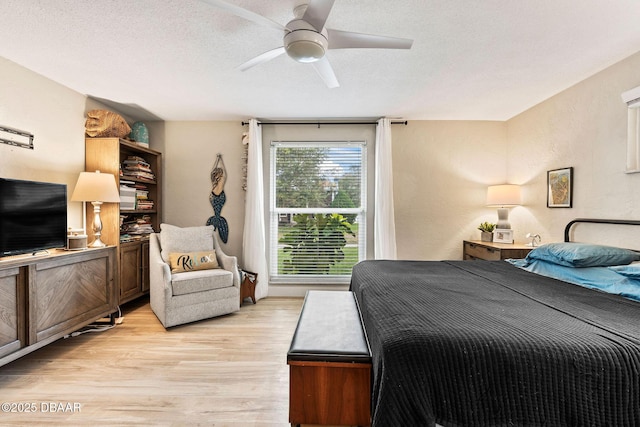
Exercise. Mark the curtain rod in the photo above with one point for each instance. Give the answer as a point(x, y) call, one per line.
point(404, 122)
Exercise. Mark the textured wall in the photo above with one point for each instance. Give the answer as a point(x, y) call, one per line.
point(584, 127)
point(441, 173)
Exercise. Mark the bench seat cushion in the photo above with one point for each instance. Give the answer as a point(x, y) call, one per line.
point(329, 329)
point(200, 280)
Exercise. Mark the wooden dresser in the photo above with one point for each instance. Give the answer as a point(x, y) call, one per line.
point(475, 249)
point(45, 297)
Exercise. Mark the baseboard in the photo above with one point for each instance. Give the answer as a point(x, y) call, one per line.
point(301, 290)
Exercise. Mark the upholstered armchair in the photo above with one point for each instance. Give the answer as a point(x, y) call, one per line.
point(191, 278)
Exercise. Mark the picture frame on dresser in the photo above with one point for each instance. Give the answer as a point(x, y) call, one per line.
point(503, 235)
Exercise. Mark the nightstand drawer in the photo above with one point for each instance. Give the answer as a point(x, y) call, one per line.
point(475, 251)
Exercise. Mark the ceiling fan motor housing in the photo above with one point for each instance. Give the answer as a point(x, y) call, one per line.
point(303, 43)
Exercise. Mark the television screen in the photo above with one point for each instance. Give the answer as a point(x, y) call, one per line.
point(33, 216)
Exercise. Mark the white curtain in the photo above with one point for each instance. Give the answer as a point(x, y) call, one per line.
point(384, 219)
point(254, 257)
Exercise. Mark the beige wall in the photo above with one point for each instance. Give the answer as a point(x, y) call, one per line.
point(583, 127)
point(189, 153)
point(441, 173)
point(54, 114)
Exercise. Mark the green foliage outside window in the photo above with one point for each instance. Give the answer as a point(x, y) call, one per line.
point(299, 183)
point(315, 243)
point(342, 200)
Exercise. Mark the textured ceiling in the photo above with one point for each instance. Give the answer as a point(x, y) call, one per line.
point(471, 60)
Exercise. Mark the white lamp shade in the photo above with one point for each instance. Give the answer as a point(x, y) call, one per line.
point(504, 195)
point(96, 187)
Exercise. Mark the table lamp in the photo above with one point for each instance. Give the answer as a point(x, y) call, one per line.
point(97, 188)
point(503, 196)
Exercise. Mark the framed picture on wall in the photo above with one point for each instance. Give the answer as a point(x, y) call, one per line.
point(560, 188)
point(503, 235)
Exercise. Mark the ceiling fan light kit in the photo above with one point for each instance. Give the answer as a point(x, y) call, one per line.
point(304, 44)
point(306, 39)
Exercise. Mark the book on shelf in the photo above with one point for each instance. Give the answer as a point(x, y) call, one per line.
point(134, 196)
point(127, 196)
point(137, 167)
point(135, 225)
point(124, 238)
point(142, 205)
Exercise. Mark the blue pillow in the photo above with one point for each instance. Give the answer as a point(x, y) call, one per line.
point(605, 279)
point(632, 271)
point(582, 255)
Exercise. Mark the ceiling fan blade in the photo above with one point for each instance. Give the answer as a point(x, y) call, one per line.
point(246, 14)
point(317, 13)
point(325, 71)
point(346, 39)
point(267, 56)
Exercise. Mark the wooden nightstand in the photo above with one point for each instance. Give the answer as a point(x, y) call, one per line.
point(475, 249)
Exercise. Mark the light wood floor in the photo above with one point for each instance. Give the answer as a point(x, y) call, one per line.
point(226, 371)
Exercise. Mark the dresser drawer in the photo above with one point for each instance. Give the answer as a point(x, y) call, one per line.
point(475, 251)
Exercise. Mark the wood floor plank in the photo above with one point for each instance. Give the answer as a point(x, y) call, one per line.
point(226, 371)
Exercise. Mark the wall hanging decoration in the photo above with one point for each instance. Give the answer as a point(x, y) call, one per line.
point(18, 138)
point(560, 188)
point(217, 198)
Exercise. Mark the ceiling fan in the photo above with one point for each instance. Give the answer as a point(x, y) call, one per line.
point(307, 40)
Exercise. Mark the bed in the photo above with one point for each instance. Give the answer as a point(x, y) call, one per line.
point(489, 343)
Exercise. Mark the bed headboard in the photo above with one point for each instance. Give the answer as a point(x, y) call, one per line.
point(567, 228)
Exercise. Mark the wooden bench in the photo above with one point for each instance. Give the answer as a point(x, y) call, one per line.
point(329, 363)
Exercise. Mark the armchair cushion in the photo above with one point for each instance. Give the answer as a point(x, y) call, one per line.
point(193, 261)
point(184, 239)
point(199, 281)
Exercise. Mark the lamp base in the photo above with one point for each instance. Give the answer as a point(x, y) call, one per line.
point(97, 243)
point(503, 219)
point(97, 227)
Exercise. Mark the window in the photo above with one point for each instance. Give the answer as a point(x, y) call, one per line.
point(632, 99)
point(633, 140)
point(317, 210)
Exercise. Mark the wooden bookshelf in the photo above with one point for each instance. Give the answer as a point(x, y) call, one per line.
point(107, 155)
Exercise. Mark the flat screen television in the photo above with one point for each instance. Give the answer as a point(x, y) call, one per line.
point(33, 216)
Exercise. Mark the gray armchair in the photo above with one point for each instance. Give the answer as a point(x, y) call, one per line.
point(188, 292)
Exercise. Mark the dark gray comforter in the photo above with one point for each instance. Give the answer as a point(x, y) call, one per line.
point(484, 343)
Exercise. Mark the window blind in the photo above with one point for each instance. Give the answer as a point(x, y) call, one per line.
point(317, 210)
